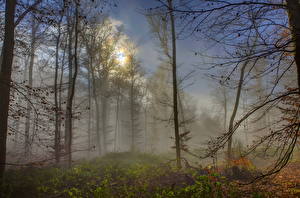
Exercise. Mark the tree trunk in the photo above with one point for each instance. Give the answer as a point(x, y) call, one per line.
point(60, 99)
point(181, 113)
point(117, 119)
point(104, 108)
point(95, 96)
point(235, 108)
point(69, 118)
point(98, 125)
point(5, 77)
point(17, 120)
point(73, 83)
point(146, 130)
point(175, 109)
point(132, 118)
point(294, 18)
point(94, 90)
point(30, 84)
point(225, 108)
point(57, 109)
point(89, 106)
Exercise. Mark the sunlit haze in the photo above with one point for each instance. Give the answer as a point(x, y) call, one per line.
point(149, 98)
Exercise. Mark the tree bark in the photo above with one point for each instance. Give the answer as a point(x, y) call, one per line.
point(294, 18)
point(5, 77)
point(175, 108)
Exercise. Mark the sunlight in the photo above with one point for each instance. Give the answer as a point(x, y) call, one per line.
point(121, 57)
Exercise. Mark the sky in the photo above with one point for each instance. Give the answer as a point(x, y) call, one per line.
point(129, 13)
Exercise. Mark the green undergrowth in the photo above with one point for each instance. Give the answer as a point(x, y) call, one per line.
point(116, 175)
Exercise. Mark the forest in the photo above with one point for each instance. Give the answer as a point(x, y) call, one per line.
point(150, 98)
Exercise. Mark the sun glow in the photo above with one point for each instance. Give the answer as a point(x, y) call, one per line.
point(121, 57)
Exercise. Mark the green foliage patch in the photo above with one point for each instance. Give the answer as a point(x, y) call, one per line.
point(128, 175)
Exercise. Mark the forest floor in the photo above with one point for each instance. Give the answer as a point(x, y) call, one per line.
point(142, 175)
point(285, 184)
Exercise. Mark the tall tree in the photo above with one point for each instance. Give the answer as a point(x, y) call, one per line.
point(134, 98)
point(166, 34)
point(5, 77)
point(235, 109)
point(72, 83)
point(175, 90)
point(245, 20)
point(101, 41)
point(33, 45)
point(57, 132)
point(92, 47)
point(293, 7)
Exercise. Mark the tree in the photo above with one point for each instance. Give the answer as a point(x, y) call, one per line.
point(5, 77)
point(175, 95)
point(290, 108)
point(57, 132)
point(235, 108)
point(160, 108)
point(101, 42)
point(92, 45)
point(6, 59)
point(221, 97)
point(135, 98)
point(72, 81)
point(33, 46)
point(230, 24)
point(41, 97)
point(118, 85)
point(160, 28)
point(293, 7)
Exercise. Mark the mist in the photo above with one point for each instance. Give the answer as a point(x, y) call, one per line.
point(166, 96)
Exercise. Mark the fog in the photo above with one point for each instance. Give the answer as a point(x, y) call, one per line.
point(123, 90)
point(212, 86)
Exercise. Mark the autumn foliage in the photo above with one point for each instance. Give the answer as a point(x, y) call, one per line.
point(290, 106)
point(242, 162)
